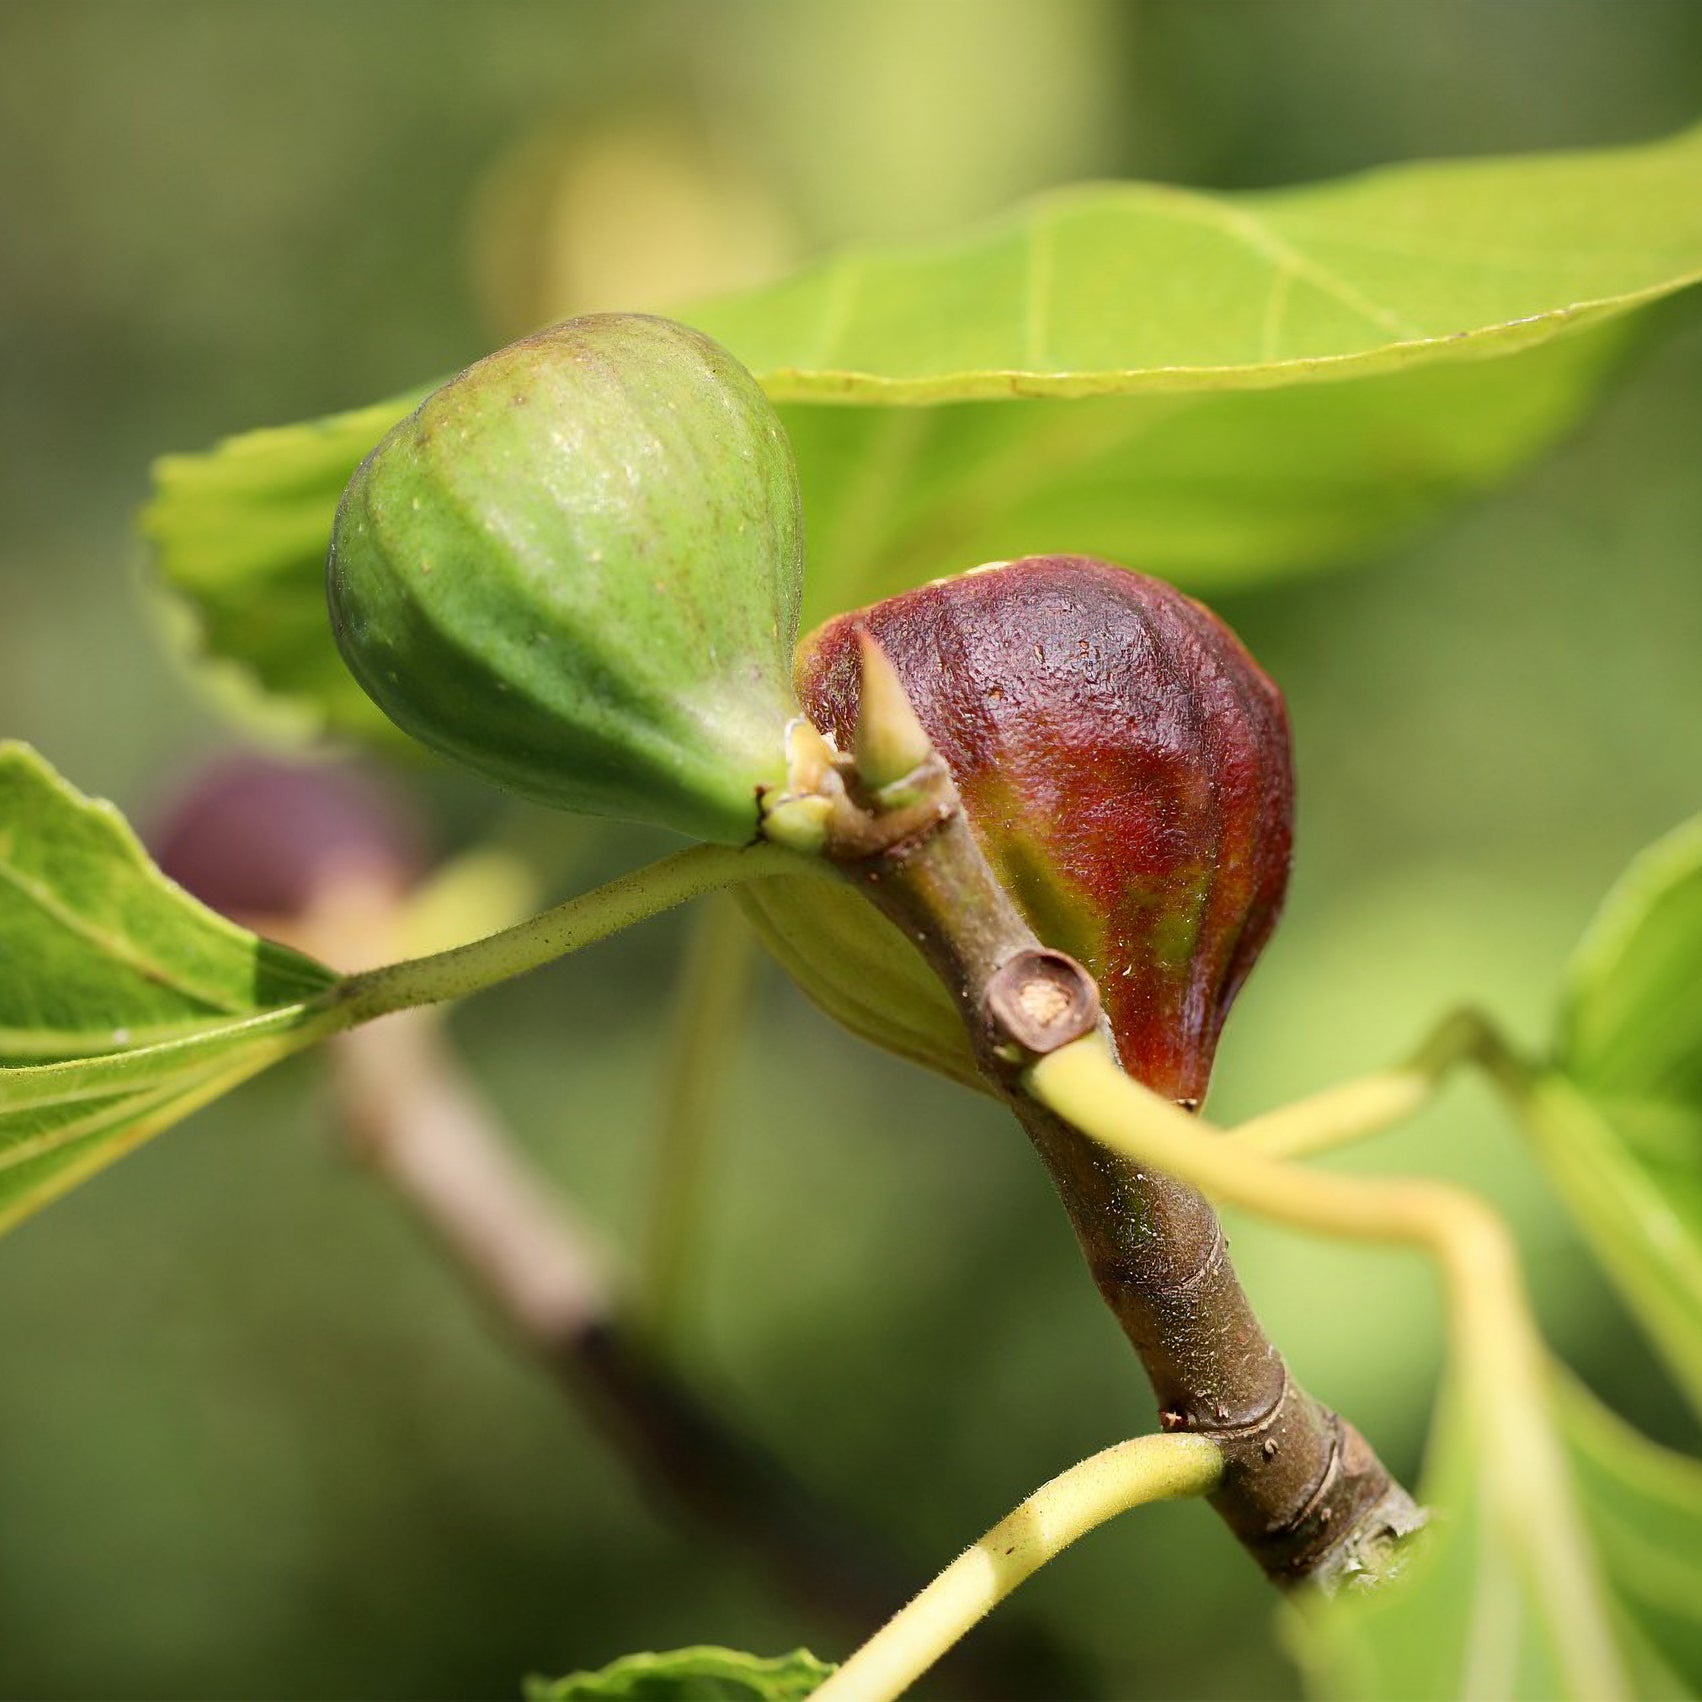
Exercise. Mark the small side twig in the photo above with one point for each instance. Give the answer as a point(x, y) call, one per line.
point(1116, 1480)
point(413, 1119)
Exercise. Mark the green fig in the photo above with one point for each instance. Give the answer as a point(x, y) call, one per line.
point(1125, 767)
point(575, 569)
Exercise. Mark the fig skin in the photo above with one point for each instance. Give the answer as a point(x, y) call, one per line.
point(576, 568)
point(1125, 766)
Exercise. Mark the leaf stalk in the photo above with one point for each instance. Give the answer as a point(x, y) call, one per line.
point(568, 927)
point(1131, 1474)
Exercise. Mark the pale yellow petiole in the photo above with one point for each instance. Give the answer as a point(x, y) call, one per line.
point(1370, 1104)
point(1149, 1468)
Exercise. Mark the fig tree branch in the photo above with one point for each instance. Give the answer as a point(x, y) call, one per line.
point(1300, 1488)
point(1498, 1355)
point(413, 1119)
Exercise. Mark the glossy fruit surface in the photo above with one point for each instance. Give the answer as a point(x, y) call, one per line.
point(1125, 765)
point(575, 569)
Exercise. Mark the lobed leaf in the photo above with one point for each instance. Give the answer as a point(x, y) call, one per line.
point(1620, 1127)
point(1209, 488)
point(1211, 387)
point(702, 1674)
point(1482, 1611)
point(124, 1003)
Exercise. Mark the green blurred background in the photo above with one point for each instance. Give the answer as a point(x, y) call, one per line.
point(254, 1440)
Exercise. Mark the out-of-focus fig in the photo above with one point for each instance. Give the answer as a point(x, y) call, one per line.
point(1125, 766)
point(258, 838)
point(575, 569)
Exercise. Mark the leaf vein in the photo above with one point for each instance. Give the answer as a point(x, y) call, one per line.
point(1276, 305)
point(133, 1104)
point(114, 945)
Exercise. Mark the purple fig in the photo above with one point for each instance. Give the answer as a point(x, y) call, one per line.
point(1125, 766)
point(255, 837)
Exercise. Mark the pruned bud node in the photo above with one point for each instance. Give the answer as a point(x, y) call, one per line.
point(1038, 1001)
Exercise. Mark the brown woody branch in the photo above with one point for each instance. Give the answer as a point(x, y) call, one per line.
point(1302, 1489)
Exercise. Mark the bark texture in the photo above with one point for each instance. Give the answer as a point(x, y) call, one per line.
point(1302, 1490)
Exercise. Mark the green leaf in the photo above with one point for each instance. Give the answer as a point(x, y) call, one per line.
point(1631, 1175)
point(1209, 489)
point(1214, 388)
point(1112, 289)
point(1631, 1023)
point(1620, 1132)
point(1644, 1507)
point(702, 1674)
point(239, 537)
point(124, 1004)
point(1483, 1610)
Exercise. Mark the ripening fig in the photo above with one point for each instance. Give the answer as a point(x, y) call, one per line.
point(575, 569)
point(1125, 766)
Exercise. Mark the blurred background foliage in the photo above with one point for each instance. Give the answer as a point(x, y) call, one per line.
point(253, 1439)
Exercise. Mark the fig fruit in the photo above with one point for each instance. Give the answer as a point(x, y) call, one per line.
point(575, 569)
point(255, 837)
point(1124, 764)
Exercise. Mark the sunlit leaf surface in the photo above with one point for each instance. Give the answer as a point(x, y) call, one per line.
point(1215, 388)
point(124, 1004)
point(1116, 288)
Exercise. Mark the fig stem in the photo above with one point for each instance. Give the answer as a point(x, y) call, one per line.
point(1131, 1474)
point(1495, 1350)
point(568, 927)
